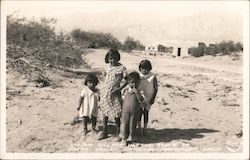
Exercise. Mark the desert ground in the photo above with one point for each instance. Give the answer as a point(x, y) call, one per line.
point(198, 108)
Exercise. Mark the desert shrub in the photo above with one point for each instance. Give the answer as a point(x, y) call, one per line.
point(224, 48)
point(95, 40)
point(238, 46)
point(211, 50)
point(139, 46)
point(29, 33)
point(34, 45)
point(196, 51)
point(104, 40)
point(162, 48)
point(228, 47)
point(131, 44)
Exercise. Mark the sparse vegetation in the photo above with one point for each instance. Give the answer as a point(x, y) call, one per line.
point(162, 48)
point(131, 44)
point(224, 48)
point(104, 40)
point(33, 46)
point(196, 51)
point(95, 40)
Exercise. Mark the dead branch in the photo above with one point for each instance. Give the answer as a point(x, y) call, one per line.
point(12, 91)
point(27, 62)
point(74, 58)
point(77, 71)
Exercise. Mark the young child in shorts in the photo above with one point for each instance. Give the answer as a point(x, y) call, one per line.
point(88, 102)
point(149, 88)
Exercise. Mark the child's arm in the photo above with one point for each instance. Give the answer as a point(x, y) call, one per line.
point(82, 95)
point(104, 73)
point(120, 88)
point(98, 93)
point(138, 95)
point(80, 103)
point(122, 84)
point(155, 90)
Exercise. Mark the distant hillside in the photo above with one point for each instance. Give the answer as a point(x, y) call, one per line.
point(149, 27)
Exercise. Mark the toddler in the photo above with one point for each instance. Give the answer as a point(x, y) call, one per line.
point(88, 103)
point(130, 110)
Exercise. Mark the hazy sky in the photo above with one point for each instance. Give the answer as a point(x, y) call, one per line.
point(209, 20)
point(55, 8)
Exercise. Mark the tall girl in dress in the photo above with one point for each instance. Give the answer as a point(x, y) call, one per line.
point(111, 101)
point(149, 87)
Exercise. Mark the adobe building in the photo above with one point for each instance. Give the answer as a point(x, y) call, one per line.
point(179, 48)
point(180, 51)
point(151, 48)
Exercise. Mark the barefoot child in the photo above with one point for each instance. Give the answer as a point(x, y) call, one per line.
point(88, 107)
point(149, 87)
point(130, 110)
point(111, 100)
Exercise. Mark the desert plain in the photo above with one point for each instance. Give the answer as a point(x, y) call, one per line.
point(198, 108)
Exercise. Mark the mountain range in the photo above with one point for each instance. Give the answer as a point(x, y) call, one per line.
point(151, 27)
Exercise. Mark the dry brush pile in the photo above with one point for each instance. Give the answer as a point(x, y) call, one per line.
point(33, 48)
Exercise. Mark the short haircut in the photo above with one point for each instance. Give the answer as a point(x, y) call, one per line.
point(114, 53)
point(145, 64)
point(133, 76)
point(91, 77)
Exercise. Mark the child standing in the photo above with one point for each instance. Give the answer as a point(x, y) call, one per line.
point(111, 100)
point(130, 110)
point(88, 106)
point(149, 87)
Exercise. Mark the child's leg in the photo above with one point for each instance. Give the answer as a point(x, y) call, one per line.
point(85, 131)
point(132, 124)
point(104, 133)
point(93, 121)
point(118, 123)
point(123, 132)
point(139, 118)
point(145, 119)
point(124, 124)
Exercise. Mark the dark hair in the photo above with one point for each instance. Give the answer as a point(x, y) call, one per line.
point(91, 77)
point(133, 76)
point(145, 64)
point(114, 53)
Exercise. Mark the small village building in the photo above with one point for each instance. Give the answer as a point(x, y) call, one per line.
point(180, 51)
point(151, 48)
point(201, 44)
point(178, 48)
point(211, 45)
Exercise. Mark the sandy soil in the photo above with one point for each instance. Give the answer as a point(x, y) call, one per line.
point(198, 109)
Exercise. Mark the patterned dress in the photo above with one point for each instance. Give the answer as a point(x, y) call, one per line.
point(111, 104)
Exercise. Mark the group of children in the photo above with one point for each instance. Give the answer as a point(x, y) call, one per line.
point(128, 108)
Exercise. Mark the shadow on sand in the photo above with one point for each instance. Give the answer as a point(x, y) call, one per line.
point(111, 129)
point(167, 135)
